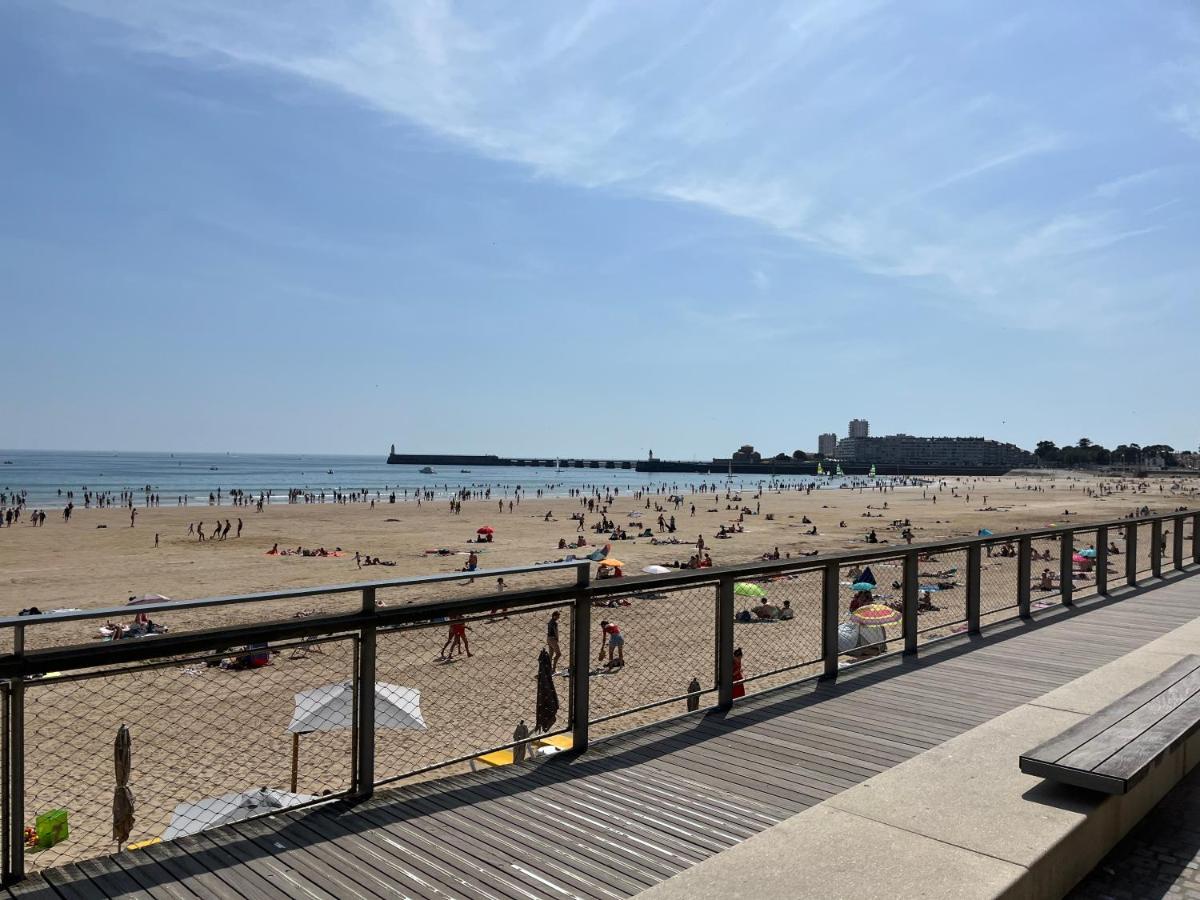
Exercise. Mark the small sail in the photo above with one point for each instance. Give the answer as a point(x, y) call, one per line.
point(820, 471)
point(839, 471)
point(872, 470)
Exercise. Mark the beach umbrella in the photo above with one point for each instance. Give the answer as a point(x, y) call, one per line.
point(868, 575)
point(656, 570)
point(1079, 558)
point(929, 588)
point(863, 586)
point(984, 532)
point(486, 529)
point(875, 614)
point(547, 695)
point(1089, 553)
point(122, 795)
point(609, 561)
point(745, 589)
point(190, 818)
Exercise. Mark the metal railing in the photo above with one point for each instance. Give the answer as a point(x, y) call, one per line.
point(207, 720)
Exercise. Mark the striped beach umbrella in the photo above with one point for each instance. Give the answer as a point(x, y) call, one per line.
point(875, 614)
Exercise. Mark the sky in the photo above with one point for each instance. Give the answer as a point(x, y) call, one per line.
point(596, 228)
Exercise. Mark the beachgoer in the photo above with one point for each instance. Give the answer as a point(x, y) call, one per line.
point(739, 689)
point(457, 638)
point(612, 640)
point(552, 640)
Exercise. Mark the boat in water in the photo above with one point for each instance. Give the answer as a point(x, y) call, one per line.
point(426, 470)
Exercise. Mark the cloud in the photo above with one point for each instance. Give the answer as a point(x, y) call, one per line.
point(859, 129)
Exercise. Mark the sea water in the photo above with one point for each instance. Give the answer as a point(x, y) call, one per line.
point(42, 474)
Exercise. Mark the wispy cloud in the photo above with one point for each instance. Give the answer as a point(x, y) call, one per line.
point(859, 129)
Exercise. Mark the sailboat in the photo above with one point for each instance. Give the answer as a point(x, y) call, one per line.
point(872, 473)
point(839, 470)
point(820, 469)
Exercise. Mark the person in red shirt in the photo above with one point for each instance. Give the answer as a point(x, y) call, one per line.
point(612, 640)
point(739, 689)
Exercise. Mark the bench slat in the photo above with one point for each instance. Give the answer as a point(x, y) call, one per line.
point(1140, 720)
point(1170, 731)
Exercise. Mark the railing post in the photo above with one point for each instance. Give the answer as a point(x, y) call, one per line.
point(16, 765)
point(1177, 542)
point(829, 618)
point(581, 657)
point(6, 824)
point(1102, 559)
point(974, 581)
point(1196, 537)
point(725, 642)
point(909, 622)
point(1024, 575)
point(1066, 584)
point(1156, 549)
point(364, 733)
point(1131, 542)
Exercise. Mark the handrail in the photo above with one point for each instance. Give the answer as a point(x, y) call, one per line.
point(266, 596)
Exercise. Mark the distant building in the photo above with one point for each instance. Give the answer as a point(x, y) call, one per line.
point(827, 445)
point(905, 449)
point(859, 428)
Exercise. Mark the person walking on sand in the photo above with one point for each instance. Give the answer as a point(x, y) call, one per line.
point(200, 531)
point(239, 528)
point(552, 640)
point(156, 540)
point(612, 640)
point(132, 516)
point(457, 639)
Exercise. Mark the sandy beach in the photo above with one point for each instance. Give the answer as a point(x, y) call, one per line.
point(202, 731)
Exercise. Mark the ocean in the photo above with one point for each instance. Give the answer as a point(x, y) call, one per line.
point(42, 474)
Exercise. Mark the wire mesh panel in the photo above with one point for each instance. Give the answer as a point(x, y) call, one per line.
point(1045, 570)
point(209, 742)
point(468, 683)
point(870, 604)
point(942, 594)
point(998, 578)
point(1145, 546)
point(666, 639)
point(1083, 565)
point(778, 630)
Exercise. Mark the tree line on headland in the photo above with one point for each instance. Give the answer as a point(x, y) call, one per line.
point(1088, 453)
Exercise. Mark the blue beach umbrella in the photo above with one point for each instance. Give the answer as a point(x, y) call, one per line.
point(862, 586)
point(930, 588)
point(984, 532)
point(1089, 553)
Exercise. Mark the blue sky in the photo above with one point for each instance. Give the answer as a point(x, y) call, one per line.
point(597, 228)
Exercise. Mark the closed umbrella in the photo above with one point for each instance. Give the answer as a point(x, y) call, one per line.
point(190, 818)
point(547, 695)
point(122, 795)
point(148, 598)
point(745, 589)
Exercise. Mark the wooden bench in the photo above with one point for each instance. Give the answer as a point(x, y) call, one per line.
point(1114, 749)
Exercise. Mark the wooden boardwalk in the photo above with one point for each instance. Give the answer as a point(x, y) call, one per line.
point(638, 808)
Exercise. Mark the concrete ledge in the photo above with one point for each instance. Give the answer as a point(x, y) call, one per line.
point(960, 820)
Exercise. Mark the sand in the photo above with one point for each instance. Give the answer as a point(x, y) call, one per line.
point(200, 731)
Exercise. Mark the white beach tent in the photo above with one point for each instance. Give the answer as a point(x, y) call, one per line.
point(190, 818)
point(331, 708)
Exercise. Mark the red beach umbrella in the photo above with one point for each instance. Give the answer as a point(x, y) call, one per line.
point(486, 529)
